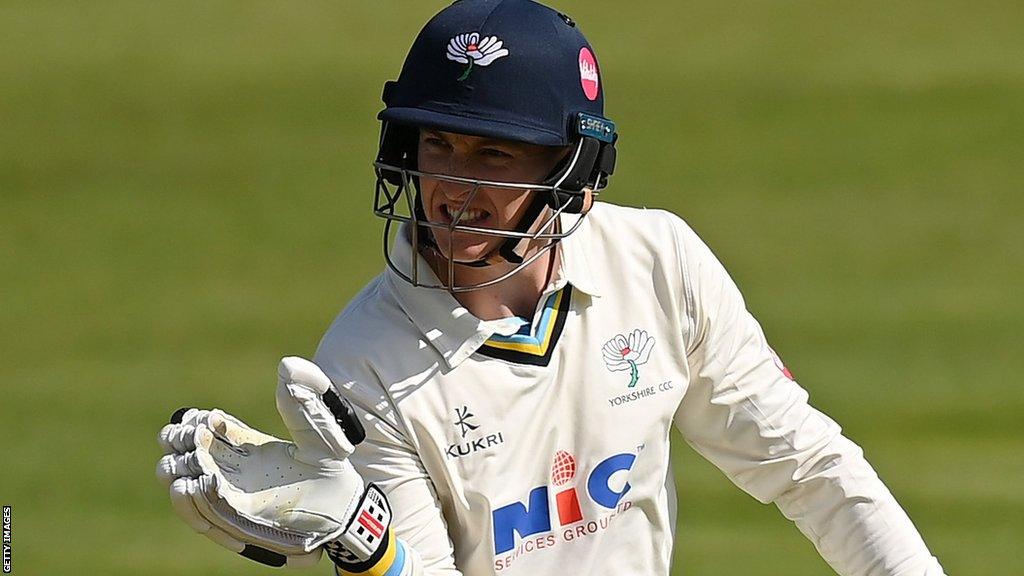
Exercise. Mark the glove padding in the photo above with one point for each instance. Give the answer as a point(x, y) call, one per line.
point(268, 499)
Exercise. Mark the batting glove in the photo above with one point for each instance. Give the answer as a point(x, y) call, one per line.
point(271, 500)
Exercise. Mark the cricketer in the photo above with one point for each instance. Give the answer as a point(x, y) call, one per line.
point(499, 400)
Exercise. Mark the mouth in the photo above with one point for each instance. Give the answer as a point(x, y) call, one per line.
point(470, 217)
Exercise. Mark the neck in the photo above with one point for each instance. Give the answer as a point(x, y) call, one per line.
point(517, 295)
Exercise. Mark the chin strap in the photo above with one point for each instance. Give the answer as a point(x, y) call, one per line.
point(566, 169)
point(507, 249)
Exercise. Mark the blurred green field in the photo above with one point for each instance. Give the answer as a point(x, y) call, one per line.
point(185, 197)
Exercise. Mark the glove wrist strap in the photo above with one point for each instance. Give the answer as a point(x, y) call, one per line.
point(367, 542)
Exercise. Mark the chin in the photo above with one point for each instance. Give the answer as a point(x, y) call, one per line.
point(464, 249)
point(467, 255)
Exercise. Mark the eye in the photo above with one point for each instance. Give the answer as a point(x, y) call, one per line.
point(435, 142)
point(495, 153)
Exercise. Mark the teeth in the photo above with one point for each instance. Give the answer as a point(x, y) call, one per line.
point(472, 215)
point(468, 217)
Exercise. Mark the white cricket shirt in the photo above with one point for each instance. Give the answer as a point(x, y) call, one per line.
point(542, 446)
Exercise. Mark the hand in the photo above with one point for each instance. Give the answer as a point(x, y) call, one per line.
point(268, 499)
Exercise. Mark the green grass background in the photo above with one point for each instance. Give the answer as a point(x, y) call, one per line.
point(185, 195)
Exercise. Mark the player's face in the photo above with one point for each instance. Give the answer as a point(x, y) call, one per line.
point(495, 208)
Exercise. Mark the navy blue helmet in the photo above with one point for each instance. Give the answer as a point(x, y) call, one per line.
point(508, 69)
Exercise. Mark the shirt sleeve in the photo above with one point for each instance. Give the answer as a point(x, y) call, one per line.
point(388, 459)
point(745, 414)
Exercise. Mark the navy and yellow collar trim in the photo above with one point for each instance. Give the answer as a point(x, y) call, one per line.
point(533, 344)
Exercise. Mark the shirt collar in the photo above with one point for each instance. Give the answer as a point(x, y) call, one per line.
point(449, 327)
point(574, 266)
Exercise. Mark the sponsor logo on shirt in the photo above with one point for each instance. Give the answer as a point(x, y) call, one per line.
point(473, 444)
point(462, 416)
point(526, 526)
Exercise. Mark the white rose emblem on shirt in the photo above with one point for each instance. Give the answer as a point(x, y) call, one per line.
point(626, 352)
point(470, 49)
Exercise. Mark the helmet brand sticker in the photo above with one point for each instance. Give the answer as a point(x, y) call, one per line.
point(470, 49)
point(588, 74)
point(595, 127)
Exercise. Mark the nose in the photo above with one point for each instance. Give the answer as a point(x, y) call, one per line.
point(455, 192)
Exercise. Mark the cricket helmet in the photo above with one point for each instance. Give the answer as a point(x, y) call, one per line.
point(507, 69)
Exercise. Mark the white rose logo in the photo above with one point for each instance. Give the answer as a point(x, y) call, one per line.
point(470, 49)
point(627, 352)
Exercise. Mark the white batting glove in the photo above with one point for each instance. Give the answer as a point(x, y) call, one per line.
point(274, 501)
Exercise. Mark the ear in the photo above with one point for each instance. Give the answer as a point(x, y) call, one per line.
point(588, 200)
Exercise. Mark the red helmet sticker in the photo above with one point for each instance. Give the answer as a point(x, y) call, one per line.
point(588, 74)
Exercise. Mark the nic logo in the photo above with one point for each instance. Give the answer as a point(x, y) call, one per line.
point(534, 517)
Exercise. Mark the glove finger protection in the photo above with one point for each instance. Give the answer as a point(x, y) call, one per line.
point(170, 467)
point(301, 391)
point(235, 432)
point(181, 491)
point(178, 435)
